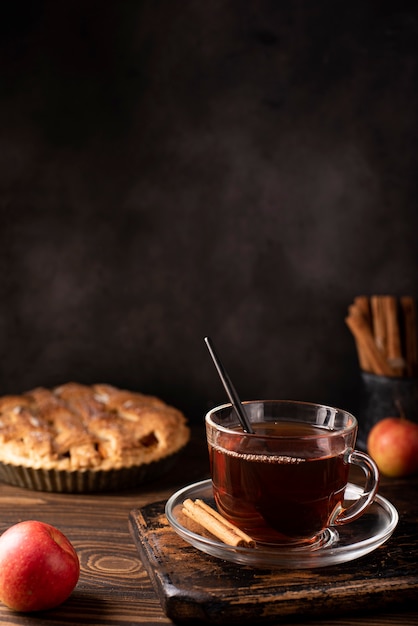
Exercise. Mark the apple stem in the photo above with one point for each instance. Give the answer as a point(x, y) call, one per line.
point(400, 408)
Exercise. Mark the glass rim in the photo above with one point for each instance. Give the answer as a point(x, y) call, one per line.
point(325, 433)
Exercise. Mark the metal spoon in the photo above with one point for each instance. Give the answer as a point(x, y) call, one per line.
point(229, 388)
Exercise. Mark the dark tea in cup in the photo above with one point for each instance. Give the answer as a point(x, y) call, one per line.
point(285, 483)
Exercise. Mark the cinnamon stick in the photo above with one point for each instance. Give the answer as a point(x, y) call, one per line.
point(216, 524)
point(393, 336)
point(361, 307)
point(364, 338)
point(379, 323)
point(385, 331)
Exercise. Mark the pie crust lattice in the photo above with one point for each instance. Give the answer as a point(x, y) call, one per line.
point(77, 427)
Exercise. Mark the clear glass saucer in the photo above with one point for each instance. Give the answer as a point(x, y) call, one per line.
point(343, 543)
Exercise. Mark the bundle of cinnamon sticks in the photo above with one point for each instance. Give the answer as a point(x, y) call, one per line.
point(216, 524)
point(385, 331)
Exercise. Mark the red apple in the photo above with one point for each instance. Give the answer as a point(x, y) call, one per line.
point(39, 567)
point(393, 444)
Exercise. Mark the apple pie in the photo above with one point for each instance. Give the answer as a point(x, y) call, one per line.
point(77, 437)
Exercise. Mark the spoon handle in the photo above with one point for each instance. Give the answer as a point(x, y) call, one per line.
point(229, 388)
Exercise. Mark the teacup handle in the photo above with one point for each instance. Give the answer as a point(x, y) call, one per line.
point(371, 472)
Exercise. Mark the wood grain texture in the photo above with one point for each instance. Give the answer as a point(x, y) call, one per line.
point(194, 586)
point(115, 587)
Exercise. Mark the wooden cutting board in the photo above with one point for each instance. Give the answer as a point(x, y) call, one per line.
point(193, 586)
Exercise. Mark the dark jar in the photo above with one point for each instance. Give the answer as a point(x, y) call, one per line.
point(383, 396)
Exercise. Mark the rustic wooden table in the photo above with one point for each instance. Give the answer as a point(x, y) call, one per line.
point(114, 586)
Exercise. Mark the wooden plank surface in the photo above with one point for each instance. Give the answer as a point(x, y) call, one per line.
point(192, 585)
point(115, 587)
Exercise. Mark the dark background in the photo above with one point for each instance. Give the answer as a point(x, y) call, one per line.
point(175, 169)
